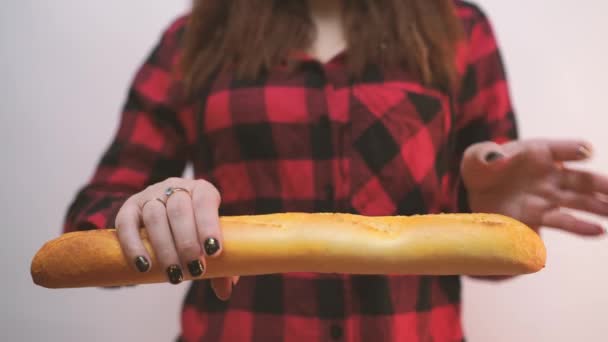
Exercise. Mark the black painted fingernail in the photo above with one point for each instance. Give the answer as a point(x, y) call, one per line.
point(212, 246)
point(584, 151)
point(175, 274)
point(142, 264)
point(196, 268)
point(493, 156)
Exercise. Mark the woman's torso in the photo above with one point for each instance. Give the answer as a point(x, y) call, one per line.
point(315, 141)
point(312, 141)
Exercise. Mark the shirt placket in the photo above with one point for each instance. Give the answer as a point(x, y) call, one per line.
point(337, 94)
point(321, 136)
point(326, 157)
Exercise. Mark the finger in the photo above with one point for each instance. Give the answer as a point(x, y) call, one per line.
point(206, 202)
point(127, 230)
point(569, 223)
point(222, 288)
point(569, 150)
point(583, 181)
point(156, 222)
point(185, 236)
point(583, 202)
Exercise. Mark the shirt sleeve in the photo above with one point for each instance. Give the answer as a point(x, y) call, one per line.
point(484, 111)
point(149, 145)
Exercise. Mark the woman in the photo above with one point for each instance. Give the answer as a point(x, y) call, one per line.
point(388, 107)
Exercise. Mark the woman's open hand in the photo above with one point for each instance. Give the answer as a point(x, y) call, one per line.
point(182, 222)
point(527, 180)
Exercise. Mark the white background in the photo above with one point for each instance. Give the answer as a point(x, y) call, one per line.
point(64, 70)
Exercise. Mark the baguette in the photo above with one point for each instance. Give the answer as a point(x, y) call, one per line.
point(437, 244)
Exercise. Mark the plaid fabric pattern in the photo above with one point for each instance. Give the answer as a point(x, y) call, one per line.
point(311, 141)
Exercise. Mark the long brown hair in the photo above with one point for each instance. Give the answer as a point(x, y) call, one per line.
point(253, 36)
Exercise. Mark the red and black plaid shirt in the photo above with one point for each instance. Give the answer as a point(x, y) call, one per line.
point(311, 142)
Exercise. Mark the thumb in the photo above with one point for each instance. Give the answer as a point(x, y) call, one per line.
point(483, 162)
point(484, 155)
point(222, 287)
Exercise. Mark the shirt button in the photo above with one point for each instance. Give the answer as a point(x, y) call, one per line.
point(329, 192)
point(335, 332)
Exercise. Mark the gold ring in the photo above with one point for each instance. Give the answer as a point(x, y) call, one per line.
point(156, 199)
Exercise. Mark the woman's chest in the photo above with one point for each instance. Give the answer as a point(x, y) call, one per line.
point(374, 143)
